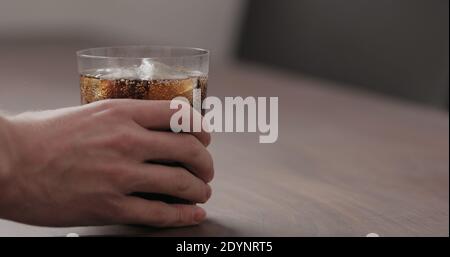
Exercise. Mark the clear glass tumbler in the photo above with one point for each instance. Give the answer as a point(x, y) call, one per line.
point(142, 72)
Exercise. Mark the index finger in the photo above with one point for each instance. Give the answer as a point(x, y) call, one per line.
point(156, 114)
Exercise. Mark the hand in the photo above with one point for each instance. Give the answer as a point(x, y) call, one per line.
point(78, 166)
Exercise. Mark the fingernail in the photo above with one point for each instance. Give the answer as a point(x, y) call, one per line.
point(199, 215)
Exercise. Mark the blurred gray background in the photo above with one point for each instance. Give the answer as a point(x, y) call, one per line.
point(394, 47)
point(203, 23)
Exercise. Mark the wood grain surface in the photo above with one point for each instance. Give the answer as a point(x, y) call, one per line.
point(346, 163)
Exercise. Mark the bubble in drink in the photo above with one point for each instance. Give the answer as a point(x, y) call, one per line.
point(149, 81)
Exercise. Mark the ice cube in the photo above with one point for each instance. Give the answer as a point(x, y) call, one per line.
point(119, 73)
point(150, 69)
point(147, 70)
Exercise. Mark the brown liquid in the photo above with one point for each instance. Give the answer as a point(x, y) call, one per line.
point(95, 89)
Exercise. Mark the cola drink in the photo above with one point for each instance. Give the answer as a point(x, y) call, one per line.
point(95, 89)
point(154, 81)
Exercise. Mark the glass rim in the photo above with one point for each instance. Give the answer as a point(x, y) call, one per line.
point(197, 52)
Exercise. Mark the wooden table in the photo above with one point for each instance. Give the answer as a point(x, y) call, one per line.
point(346, 163)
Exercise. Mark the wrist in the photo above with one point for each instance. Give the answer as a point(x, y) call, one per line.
point(6, 149)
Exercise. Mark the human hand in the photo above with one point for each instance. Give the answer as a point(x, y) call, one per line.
point(79, 166)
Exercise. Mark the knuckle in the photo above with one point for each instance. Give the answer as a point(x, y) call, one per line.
point(206, 193)
point(108, 210)
point(182, 183)
point(112, 107)
point(122, 134)
point(122, 139)
point(179, 215)
point(197, 151)
point(105, 104)
point(112, 102)
point(182, 216)
point(116, 211)
point(117, 175)
point(194, 147)
point(209, 163)
point(116, 111)
point(204, 197)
